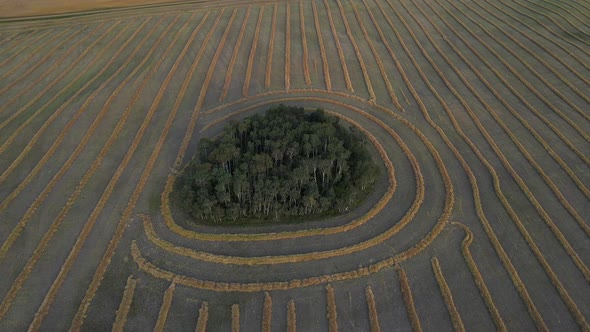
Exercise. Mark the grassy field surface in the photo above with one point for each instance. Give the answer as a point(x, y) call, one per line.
point(479, 117)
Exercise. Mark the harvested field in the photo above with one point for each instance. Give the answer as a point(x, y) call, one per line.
point(479, 113)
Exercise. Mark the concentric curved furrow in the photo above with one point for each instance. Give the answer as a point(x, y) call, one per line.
point(476, 112)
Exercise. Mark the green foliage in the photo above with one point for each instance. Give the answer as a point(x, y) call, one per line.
point(285, 164)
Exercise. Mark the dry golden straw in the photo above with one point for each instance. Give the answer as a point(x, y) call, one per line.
point(267, 313)
point(332, 312)
point(373, 317)
point(447, 296)
point(165, 308)
point(203, 317)
point(121, 315)
point(291, 317)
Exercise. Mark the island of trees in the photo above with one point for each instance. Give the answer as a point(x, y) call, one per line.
point(287, 164)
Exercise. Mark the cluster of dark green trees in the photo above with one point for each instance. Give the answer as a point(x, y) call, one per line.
point(285, 163)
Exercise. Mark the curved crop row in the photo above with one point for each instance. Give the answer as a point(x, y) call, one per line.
point(118, 234)
point(521, 148)
point(372, 307)
point(447, 296)
point(332, 313)
point(53, 228)
point(52, 68)
point(291, 317)
point(21, 39)
point(203, 317)
point(357, 51)
point(509, 267)
point(92, 219)
point(532, 70)
point(544, 24)
point(541, 45)
point(543, 12)
point(55, 114)
point(478, 278)
point(252, 53)
point(165, 308)
point(271, 43)
point(318, 28)
point(267, 313)
point(234, 56)
point(545, 49)
point(563, 294)
point(125, 305)
point(41, 163)
point(166, 210)
point(408, 300)
point(304, 44)
point(15, 233)
point(339, 48)
point(540, 210)
point(382, 70)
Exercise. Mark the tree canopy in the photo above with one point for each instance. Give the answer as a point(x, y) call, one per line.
point(284, 164)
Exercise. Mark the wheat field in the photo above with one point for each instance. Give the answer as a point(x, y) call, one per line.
point(479, 112)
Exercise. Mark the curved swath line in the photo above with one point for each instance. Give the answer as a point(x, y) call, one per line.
point(478, 278)
point(541, 212)
point(47, 56)
point(408, 299)
point(394, 99)
point(357, 51)
point(252, 53)
point(234, 55)
point(39, 250)
point(114, 242)
point(534, 54)
point(52, 68)
point(552, 276)
point(43, 310)
point(539, 76)
point(544, 25)
point(513, 137)
point(449, 202)
point(34, 52)
point(539, 115)
point(338, 48)
point(447, 296)
point(288, 45)
point(27, 43)
point(304, 44)
point(508, 266)
point(53, 182)
point(315, 231)
point(553, 41)
point(271, 43)
point(545, 9)
point(125, 305)
point(235, 317)
point(575, 14)
point(318, 28)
